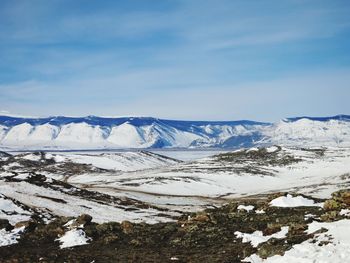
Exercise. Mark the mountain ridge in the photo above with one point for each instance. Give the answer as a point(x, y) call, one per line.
point(96, 120)
point(59, 132)
point(340, 117)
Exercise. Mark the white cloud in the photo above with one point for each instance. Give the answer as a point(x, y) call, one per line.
point(314, 93)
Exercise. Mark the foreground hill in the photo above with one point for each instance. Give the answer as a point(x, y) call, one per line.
point(117, 133)
point(278, 227)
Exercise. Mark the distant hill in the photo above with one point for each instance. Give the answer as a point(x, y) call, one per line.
point(94, 132)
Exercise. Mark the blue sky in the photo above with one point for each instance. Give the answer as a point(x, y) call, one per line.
point(208, 60)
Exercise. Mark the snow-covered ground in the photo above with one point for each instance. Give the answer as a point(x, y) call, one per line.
point(293, 201)
point(65, 204)
point(331, 246)
point(121, 161)
point(72, 238)
point(149, 187)
point(11, 211)
point(167, 183)
point(257, 237)
point(58, 200)
point(10, 237)
point(317, 175)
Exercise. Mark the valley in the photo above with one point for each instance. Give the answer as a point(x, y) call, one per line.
point(252, 204)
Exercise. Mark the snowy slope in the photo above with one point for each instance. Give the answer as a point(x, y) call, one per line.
point(167, 183)
point(35, 183)
point(311, 132)
point(125, 161)
point(316, 172)
point(117, 133)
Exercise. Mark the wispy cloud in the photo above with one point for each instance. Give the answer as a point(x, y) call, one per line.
point(149, 57)
point(316, 94)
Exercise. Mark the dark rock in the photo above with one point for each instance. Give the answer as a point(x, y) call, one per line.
point(83, 219)
point(110, 239)
point(297, 228)
point(201, 217)
point(273, 247)
point(330, 216)
point(271, 229)
point(332, 204)
point(127, 227)
point(342, 196)
point(4, 154)
point(29, 225)
point(4, 223)
point(135, 242)
point(105, 228)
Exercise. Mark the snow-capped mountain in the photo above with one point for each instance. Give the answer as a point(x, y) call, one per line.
point(143, 132)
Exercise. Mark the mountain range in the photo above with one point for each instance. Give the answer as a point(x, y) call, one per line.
point(92, 132)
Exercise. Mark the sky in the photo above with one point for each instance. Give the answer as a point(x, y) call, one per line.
point(175, 59)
